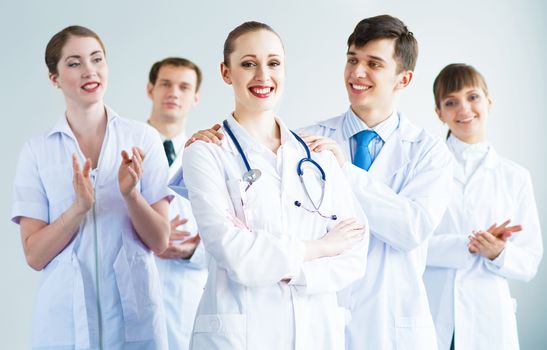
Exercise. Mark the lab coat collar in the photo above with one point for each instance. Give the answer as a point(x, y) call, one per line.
point(247, 142)
point(62, 124)
point(395, 152)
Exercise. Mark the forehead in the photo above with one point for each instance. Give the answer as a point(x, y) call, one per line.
point(178, 74)
point(469, 89)
point(261, 42)
point(382, 48)
point(79, 45)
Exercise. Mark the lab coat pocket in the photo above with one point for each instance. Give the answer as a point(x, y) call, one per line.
point(510, 334)
point(236, 189)
point(219, 331)
point(415, 333)
point(57, 181)
point(138, 285)
point(53, 321)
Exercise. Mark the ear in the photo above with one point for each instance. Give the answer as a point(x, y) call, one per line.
point(490, 103)
point(196, 98)
point(438, 111)
point(149, 88)
point(225, 72)
point(54, 79)
point(404, 79)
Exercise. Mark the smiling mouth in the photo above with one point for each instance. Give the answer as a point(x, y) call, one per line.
point(359, 87)
point(466, 120)
point(171, 105)
point(261, 91)
point(91, 87)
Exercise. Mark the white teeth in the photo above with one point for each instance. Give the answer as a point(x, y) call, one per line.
point(360, 87)
point(261, 91)
point(90, 86)
point(467, 120)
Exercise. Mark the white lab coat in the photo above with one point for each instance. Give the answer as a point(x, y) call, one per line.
point(470, 293)
point(182, 280)
point(103, 288)
point(404, 194)
point(244, 305)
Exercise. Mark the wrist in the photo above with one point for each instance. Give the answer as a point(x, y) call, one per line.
point(132, 195)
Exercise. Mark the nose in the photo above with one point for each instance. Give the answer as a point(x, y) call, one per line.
point(262, 74)
point(174, 91)
point(358, 71)
point(89, 70)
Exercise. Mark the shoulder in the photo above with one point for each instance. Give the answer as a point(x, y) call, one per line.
point(423, 144)
point(513, 170)
point(324, 127)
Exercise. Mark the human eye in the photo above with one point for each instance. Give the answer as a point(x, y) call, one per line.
point(474, 97)
point(73, 64)
point(373, 64)
point(97, 59)
point(449, 103)
point(352, 60)
point(275, 64)
point(248, 64)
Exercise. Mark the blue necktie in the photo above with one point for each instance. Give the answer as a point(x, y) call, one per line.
point(362, 157)
point(169, 151)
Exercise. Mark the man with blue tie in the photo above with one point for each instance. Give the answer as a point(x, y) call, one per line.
point(401, 176)
point(173, 86)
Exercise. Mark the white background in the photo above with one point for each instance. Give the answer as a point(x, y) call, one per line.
point(505, 40)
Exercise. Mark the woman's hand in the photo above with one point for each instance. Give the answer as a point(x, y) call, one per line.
point(342, 237)
point(82, 185)
point(130, 171)
point(486, 244)
point(321, 143)
point(212, 135)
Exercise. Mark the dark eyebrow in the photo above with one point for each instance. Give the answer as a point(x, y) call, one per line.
point(78, 56)
point(377, 58)
point(254, 56)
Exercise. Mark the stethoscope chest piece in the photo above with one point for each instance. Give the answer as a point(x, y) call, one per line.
point(252, 176)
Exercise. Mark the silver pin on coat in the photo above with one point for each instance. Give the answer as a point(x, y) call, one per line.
point(251, 176)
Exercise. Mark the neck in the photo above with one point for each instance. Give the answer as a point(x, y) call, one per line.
point(471, 140)
point(261, 126)
point(168, 127)
point(86, 120)
point(372, 117)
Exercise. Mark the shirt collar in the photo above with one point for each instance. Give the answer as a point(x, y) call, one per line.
point(353, 125)
point(465, 151)
point(178, 141)
point(63, 127)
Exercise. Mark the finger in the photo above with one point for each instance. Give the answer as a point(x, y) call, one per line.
point(343, 223)
point(211, 135)
point(132, 173)
point(488, 237)
point(310, 138)
point(177, 221)
point(125, 157)
point(315, 145)
point(87, 168)
point(515, 228)
point(179, 235)
point(75, 163)
point(140, 153)
point(505, 223)
point(190, 141)
point(491, 228)
point(136, 165)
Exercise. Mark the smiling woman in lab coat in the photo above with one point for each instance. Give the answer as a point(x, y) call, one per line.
point(475, 250)
point(91, 199)
point(277, 261)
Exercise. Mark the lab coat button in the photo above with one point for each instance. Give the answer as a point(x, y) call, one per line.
point(215, 323)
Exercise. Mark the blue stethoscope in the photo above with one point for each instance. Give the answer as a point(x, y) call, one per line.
point(252, 175)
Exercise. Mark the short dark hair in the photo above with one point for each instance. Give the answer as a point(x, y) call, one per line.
point(388, 27)
point(54, 48)
point(244, 28)
point(176, 62)
point(455, 77)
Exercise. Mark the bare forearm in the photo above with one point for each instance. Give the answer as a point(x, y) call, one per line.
point(151, 226)
point(41, 245)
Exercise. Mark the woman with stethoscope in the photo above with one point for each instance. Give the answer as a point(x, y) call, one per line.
point(490, 232)
point(276, 220)
point(91, 199)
